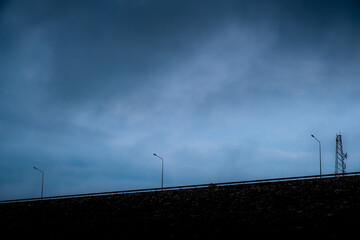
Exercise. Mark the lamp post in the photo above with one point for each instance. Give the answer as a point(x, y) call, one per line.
point(319, 151)
point(42, 182)
point(162, 170)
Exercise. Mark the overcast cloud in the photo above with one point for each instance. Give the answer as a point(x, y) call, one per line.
point(222, 90)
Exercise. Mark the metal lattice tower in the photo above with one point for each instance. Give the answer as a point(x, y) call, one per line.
point(340, 157)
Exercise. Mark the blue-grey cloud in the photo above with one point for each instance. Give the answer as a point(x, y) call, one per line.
point(224, 90)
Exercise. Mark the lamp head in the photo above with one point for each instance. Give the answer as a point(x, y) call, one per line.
point(312, 135)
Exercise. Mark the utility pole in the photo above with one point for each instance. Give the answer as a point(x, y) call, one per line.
point(340, 157)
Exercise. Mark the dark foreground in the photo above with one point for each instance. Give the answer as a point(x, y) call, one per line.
point(322, 208)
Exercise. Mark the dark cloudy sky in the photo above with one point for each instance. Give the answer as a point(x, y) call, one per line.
point(222, 90)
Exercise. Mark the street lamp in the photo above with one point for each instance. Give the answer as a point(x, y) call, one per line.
point(42, 182)
point(162, 170)
point(319, 151)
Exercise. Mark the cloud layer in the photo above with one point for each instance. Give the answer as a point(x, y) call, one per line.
point(223, 90)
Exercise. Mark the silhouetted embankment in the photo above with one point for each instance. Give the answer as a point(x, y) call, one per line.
point(325, 208)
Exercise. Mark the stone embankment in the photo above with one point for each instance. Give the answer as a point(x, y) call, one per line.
point(323, 208)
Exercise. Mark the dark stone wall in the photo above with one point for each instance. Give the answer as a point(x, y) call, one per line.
point(322, 208)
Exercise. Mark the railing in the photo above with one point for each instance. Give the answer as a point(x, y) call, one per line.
point(184, 187)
